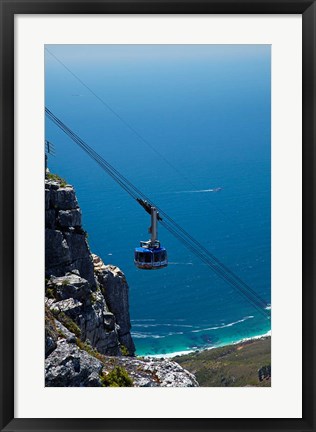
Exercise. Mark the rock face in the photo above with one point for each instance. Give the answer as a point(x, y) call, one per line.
point(66, 247)
point(87, 321)
point(71, 286)
point(157, 373)
point(76, 291)
point(69, 366)
point(115, 291)
point(51, 334)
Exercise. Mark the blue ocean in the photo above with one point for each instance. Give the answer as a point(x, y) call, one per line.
point(188, 125)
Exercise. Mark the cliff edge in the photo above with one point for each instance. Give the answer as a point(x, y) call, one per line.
point(87, 322)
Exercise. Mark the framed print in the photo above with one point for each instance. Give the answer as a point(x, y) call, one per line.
point(157, 232)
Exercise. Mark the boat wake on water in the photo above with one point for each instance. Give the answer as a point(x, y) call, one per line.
point(200, 190)
point(218, 189)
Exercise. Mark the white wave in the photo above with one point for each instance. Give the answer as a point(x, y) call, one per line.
point(180, 263)
point(190, 350)
point(163, 325)
point(254, 337)
point(268, 307)
point(223, 325)
point(181, 325)
point(145, 325)
point(170, 355)
point(138, 335)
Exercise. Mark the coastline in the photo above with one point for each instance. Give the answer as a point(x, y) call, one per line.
point(244, 364)
point(182, 353)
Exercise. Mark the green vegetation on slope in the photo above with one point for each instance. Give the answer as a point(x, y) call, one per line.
point(118, 377)
point(57, 178)
point(231, 365)
point(67, 322)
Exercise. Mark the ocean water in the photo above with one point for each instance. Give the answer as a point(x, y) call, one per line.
point(203, 114)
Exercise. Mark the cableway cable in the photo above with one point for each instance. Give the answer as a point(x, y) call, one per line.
point(259, 305)
point(118, 116)
point(130, 127)
point(173, 227)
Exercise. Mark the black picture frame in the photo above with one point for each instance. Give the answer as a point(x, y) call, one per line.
point(8, 9)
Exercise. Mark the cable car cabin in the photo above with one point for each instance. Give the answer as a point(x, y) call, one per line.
point(150, 255)
point(150, 258)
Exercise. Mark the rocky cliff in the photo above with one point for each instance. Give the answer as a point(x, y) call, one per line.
point(75, 291)
point(87, 323)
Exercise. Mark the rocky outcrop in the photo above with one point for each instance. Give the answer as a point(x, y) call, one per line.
point(87, 322)
point(264, 373)
point(83, 309)
point(77, 296)
point(69, 366)
point(51, 333)
point(157, 373)
point(115, 291)
point(69, 286)
point(66, 246)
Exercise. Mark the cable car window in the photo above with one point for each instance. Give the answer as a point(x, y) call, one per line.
point(141, 257)
point(157, 257)
point(147, 257)
point(163, 256)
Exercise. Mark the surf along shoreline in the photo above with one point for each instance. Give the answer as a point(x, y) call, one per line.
point(264, 336)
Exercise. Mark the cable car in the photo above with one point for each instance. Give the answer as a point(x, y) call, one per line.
point(150, 258)
point(151, 255)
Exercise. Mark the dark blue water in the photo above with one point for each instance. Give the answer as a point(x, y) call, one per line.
point(206, 109)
